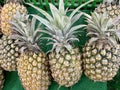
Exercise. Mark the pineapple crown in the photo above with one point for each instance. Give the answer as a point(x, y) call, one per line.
point(60, 26)
point(26, 33)
point(101, 27)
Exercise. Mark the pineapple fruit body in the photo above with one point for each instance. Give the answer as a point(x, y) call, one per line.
point(112, 10)
point(100, 61)
point(33, 71)
point(1, 78)
point(9, 53)
point(7, 12)
point(66, 67)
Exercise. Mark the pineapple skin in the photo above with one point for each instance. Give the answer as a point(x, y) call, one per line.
point(7, 12)
point(100, 61)
point(1, 78)
point(9, 52)
point(66, 67)
point(33, 71)
point(112, 10)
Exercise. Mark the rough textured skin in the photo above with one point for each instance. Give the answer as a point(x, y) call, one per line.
point(66, 67)
point(112, 10)
point(118, 53)
point(1, 78)
point(33, 71)
point(8, 11)
point(9, 52)
point(100, 61)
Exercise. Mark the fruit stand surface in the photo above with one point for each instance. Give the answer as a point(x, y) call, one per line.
point(12, 81)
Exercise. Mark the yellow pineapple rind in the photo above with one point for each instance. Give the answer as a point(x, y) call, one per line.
point(66, 67)
point(9, 53)
point(7, 12)
point(112, 10)
point(33, 71)
point(100, 61)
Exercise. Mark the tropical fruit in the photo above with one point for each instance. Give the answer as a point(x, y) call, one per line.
point(111, 7)
point(100, 57)
point(64, 58)
point(8, 11)
point(9, 52)
point(32, 63)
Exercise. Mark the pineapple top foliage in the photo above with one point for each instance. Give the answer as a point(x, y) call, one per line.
point(101, 27)
point(26, 32)
point(60, 26)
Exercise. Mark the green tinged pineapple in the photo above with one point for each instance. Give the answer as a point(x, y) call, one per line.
point(65, 59)
point(100, 57)
point(32, 64)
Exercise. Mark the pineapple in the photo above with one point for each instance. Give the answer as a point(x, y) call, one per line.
point(100, 52)
point(112, 8)
point(32, 64)
point(9, 10)
point(64, 58)
point(109, 6)
point(9, 52)
point(9, 49)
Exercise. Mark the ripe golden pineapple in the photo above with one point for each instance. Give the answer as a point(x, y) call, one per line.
point(8, 11)
point(109, 6)
point(100, 58)
point(65, 60)
point(32, 63)
point(9, 53)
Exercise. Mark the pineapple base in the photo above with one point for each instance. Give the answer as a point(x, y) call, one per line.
point(9, 53)
point(100, 61)
point(66, 67)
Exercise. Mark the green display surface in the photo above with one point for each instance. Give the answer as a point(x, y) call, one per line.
point(12, 82)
